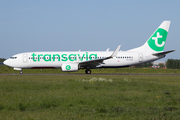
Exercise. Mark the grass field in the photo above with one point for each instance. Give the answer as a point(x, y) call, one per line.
point(43, 97)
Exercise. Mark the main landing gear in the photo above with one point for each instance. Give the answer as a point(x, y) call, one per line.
point(21, 72)
point(87, 71)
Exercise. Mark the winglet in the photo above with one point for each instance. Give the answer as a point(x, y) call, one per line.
point(115, 52)
point(100, 61)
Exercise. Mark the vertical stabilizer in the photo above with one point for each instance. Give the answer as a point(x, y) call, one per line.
point(157, 40)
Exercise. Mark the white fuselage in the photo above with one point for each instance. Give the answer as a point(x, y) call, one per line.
point(30, 60)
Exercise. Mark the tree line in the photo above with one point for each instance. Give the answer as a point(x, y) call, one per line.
point(173, 64)
point(2, 59)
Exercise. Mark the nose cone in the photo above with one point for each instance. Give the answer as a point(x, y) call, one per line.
point(7, 62)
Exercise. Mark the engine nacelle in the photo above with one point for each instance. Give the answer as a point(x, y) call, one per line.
point(70, 67)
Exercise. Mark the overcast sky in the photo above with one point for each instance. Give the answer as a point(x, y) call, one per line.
point(94, 25)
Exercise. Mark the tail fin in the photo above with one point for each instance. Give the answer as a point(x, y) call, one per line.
point(157, 40)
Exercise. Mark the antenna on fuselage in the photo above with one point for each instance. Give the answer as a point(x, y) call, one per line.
point(107, 49)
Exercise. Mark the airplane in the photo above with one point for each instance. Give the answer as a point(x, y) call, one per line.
point(74, 60)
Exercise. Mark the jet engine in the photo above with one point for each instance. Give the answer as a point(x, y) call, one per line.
point(70, 67)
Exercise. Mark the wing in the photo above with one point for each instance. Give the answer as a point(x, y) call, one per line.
point(96, 62)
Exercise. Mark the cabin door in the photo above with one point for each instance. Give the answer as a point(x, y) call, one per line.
point(24, 58)
point(140, 57)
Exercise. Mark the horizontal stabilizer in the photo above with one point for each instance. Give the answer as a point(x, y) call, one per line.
point(163, 53)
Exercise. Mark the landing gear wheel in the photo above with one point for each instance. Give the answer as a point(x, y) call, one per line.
point(88, 71)
point(21, 72)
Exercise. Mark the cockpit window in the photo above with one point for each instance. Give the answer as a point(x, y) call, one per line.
point(13, 57)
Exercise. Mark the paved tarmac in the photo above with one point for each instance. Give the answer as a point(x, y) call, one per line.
point(95, 74)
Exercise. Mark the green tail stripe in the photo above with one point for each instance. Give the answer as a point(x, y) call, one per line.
point(158, 39)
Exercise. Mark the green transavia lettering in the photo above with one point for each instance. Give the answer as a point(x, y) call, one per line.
point(63, 57)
